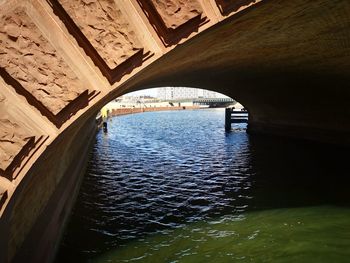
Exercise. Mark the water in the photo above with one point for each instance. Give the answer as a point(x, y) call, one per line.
point(174, 187)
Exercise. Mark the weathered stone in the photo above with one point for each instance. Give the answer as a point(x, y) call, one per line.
point(12, 140)
point(174, 13)
point(2, 192)
point(3, 195)
point(29, 58)
point(104, 25)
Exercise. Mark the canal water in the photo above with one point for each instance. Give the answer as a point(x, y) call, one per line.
point(175, 187)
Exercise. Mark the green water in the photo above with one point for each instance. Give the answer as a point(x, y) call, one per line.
point(175, 187)
point(308, 234)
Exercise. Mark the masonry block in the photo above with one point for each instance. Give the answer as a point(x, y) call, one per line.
point(173, 20)
point(104, 33)
point(30, 64)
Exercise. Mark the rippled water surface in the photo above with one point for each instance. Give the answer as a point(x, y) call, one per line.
point(174, 187)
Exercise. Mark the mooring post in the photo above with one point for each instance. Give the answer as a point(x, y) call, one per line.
point(228, 119)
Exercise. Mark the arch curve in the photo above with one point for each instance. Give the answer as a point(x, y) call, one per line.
point(287, 61)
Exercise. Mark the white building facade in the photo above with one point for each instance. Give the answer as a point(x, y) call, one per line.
point(176, 93)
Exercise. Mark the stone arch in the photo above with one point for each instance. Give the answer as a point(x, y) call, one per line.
point(288, 62)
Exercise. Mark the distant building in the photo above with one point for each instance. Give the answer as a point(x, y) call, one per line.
point(211, 94)
point(176, 93)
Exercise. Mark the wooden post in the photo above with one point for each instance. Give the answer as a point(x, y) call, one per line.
point(228, 119)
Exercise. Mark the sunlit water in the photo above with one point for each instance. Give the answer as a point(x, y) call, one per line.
point(174, 187)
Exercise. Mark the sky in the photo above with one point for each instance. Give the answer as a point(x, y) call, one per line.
point(146, 92)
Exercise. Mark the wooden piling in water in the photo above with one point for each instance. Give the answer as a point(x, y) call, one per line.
point(234, 117)
point(228, 119)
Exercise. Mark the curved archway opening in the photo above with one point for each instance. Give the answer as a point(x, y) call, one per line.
point(146, 159)
point(174, 98)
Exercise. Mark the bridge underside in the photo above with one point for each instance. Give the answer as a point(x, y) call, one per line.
point(287, 62)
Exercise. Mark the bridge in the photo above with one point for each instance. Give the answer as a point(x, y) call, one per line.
point(214, 102)
point(287, 62)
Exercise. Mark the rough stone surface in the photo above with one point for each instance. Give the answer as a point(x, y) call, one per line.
point(3, 195)
point(104, 25)
point(2, 192)
point(29, 58)
point(12, 137)
point(12, 140)
point(174, 13)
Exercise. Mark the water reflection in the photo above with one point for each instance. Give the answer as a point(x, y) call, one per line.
point(177, 180)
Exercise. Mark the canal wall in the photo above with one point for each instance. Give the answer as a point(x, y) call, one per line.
point(125, 111)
